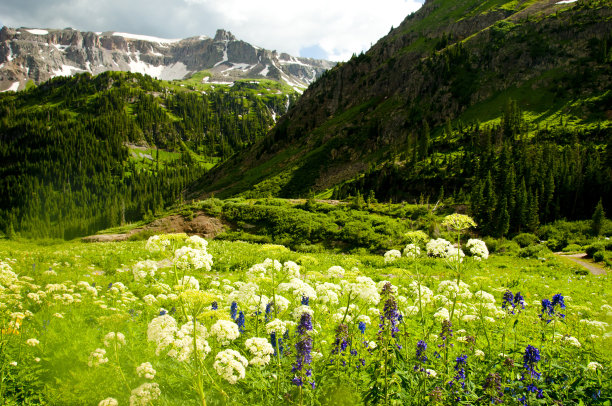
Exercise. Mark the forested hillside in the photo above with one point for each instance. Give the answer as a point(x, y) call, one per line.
point(84, 153)
point(506, 105)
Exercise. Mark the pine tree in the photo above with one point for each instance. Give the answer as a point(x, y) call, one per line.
point(598, 218)
point(424, 142)
point(502, 218)
point(533, 215)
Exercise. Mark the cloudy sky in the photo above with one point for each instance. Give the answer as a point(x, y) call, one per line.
point(330, 29)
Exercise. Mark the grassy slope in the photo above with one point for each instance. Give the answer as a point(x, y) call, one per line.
point(536, 92)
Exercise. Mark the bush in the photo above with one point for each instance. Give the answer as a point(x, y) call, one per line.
point(599, 256)
point(508, 247)
point(534, 251)
point(572, 248)
point(492, 244)
point(525, 239)
point(595, 247)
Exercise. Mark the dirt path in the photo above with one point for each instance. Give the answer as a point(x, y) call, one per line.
point(594, 269)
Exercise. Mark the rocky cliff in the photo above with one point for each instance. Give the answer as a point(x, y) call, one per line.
point(41, 54)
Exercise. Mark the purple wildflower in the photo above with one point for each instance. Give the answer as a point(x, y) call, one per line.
point(530, 359)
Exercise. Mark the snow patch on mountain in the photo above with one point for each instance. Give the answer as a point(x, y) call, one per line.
point(146, 38)
point(12, 88)
point(36, 31)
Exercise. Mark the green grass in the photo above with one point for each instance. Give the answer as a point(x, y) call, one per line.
point(55, 371)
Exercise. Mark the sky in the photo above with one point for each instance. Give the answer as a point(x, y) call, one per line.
point(326, 29)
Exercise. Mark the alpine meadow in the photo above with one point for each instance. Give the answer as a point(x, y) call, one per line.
point(203, 221)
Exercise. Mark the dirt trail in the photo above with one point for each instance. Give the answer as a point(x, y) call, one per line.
point(594, 269)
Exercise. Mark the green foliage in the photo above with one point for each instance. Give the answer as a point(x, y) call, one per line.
point(89, 152)
point(525, 239)
point(599, 256)
point(598, 218)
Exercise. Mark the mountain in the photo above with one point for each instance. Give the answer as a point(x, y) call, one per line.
point(33, 54)
point(503, 104)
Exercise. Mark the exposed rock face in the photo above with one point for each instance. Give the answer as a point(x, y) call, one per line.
point(39, 55)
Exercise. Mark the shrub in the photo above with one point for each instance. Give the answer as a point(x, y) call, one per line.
point(492, 243)
point(593, 248)
point(534, 251)
point(508, 247)
point(572, 248)
point(525, 239)
point(598, 256)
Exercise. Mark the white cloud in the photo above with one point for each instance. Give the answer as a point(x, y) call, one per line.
point(338, 27)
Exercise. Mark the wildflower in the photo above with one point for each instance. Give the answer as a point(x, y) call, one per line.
point(548, 308)
point(145, 394)
point(240, 322)
point(276, 326)
point(303, 350)
point(458, 222)
point(420, 352)
point(336, 272)
point(145, 370)
point(478, 249)
point(230, 365)
point(530, 359)
point(362, 327)
point(32, 342)
point(594, 366)
point(97, 358)
point(493, 388)
point(438, 248)
point(460, 363)
point(261, 349)
point(412, 251)
point(112, 337)
point(392, 255)
point(109, 402)
point(214, 305)
point(479, 354)
point(233, 310)
point(225, 331)
point(190, 258)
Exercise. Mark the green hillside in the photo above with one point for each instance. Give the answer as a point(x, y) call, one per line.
point(506, 105)
point(84, 153)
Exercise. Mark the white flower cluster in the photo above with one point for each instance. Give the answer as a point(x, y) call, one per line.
point(190, 282)
point(157, 243)
point(594, 324)
point(196, 242)
point(450, 289)
point(336, 272)
point(442, 314)
point(327, 293)
point(7, 276)
point(392, 255)
point(97, 358)
point(484, 297)
point(182, 345)
point(453, 254)
point(144, 394)
point(594, 366)
point(109, 402)
point(478, 249)
point(412, 251)
point(438, 248)
point(364, 289)
point(299, 289)
point(261, 349)
point(114, 337)
point(190, 258)
point(291, 269)
point(144, 269)
point(426, 294)
point(299, 310)
point(179, 342)
point(145, 370)
point(32, 342)
point(278, 326)
point(230, 365)
point(225, 331)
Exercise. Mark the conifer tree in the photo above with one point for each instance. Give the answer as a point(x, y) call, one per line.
point(598, 218)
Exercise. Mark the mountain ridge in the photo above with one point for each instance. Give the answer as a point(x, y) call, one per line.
point(34, 54)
